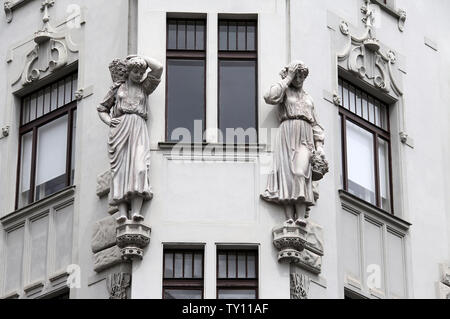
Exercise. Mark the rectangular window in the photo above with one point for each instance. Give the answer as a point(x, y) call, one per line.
point(47, 140)
point(183, 274)
point(237, 274)
point(366, 146)
point(186, 82)
point(237, 80)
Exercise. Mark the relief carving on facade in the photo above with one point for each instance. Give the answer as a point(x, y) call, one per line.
point(367, 58)
point(10, 5)
point(49, 50)
point(444, 284)
point(299, 161)
point(117, 285)
point(299, 286)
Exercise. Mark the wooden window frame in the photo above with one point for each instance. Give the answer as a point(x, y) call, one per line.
point(183, 283)
point(177, 54)
point(236, 55)
point(237, 283)
point(33, 126)
point(377, 133)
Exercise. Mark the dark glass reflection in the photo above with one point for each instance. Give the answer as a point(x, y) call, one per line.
point(182, 294)
point(237, 294)
point(185, 98)
point(237, 99)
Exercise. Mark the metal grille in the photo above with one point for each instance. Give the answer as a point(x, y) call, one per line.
point(186, 34)
point(363, 105)
point(48, 99)
point(237, 35)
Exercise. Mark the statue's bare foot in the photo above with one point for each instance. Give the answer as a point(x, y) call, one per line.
point(121, 219)
point(138, 217)
point(301, 222)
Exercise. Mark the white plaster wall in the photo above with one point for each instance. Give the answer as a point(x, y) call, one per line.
point(231, 211)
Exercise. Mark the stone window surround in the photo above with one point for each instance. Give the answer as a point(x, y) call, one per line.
point(55, 280)
point(11, 5)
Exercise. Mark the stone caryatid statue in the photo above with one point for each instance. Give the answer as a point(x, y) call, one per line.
point(125, 111)
point(299, 158)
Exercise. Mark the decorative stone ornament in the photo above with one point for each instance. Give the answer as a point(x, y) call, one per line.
point(132, 238)
point(117, 285)
point(300, 245)
point(47, 31)
point(125, 111)
point(299, 163)
point(299, 286)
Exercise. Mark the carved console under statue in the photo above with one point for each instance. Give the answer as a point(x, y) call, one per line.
point(299, 162)
point(125, 111)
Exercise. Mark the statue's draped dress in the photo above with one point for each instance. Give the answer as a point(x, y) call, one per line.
point(297, 133)
point(129, 143)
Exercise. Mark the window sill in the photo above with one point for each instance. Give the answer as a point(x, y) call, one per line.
point(22, 212)
point(213, 146)
point(352, 202)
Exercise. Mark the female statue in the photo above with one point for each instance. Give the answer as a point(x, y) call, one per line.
point(299, 159)
point(125, 111)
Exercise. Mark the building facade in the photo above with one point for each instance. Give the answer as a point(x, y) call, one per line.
point(379, 75)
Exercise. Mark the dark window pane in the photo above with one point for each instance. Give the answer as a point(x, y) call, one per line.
point(222, 261)
point(168, 265)
point(237, 294)
point(232, 28)
point(74, 86)
point(178, 265)
point(40, 104)
point(242, 272)
point(26, 111)
point(358, 103)
point(25, 169)
point(198, 265)
point(200, 35)
point(182, 294)
point(74, 134)
point(181, 35)
point(61, 86)
point(33, 102)
point(251, 266)
point(54, 99)
point(171, 34)
point(190, 33)
point(237, 100)
point(251, 36)
point(345, 96)
point(241, 36)
point(47, 100)
point(231, 265)
point(68, 91)
point(185, 99)
point(223, 35)
point(188, 265)
point(383, 158)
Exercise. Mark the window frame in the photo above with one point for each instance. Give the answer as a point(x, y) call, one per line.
point(238, 283)
point(183, 283)
point(377, 133)
point(177, 54)
point(33, 126)
point(236, 55)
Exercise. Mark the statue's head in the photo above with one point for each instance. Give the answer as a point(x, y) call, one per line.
point(300, 76)
point(136, 67)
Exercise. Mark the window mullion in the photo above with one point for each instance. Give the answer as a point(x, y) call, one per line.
point(377, 171)
point(33, 164)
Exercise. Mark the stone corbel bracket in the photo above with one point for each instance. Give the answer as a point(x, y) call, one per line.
point(132, 238)
point(300, 245)
point(10, 6)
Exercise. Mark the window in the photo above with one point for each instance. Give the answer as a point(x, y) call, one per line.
point(237, 79)
point(186, 68)
point(183, 274)
point(366, 146)
point(47, 141)
point(237, 274)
